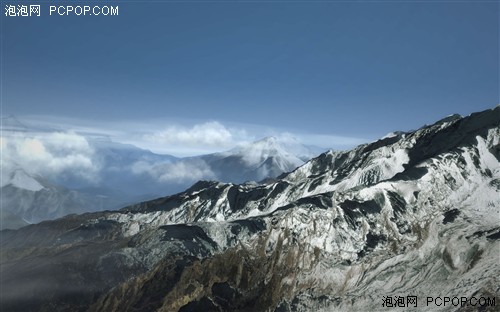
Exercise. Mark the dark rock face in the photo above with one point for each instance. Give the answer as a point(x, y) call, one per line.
point(414, 214)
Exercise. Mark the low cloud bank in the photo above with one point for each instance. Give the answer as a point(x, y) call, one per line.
point(59, 154)
point(175, 172)
point(48, 154)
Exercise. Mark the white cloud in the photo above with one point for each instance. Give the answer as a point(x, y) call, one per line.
point(212, 134)
point(48, 154)
point(177, 172)
point(188, 137)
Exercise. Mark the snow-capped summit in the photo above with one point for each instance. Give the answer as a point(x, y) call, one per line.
point(21, 180)
point(255, 161)
point(270, 148)
point(288, 147)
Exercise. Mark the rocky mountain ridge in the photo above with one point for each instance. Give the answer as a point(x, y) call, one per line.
point(414, 214)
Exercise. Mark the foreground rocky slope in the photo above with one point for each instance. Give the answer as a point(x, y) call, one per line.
point(415, 214)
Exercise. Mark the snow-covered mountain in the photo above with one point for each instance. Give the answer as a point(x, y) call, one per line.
point(33, 199)
point(256, 161)
point(414, 214)
point(93, 173)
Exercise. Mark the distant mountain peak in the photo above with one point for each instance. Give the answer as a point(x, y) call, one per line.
point(258, 152)
point(12, 123)
point(21, 180)
point(270, 139)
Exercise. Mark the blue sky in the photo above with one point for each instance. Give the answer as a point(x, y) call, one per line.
point(330, 73)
